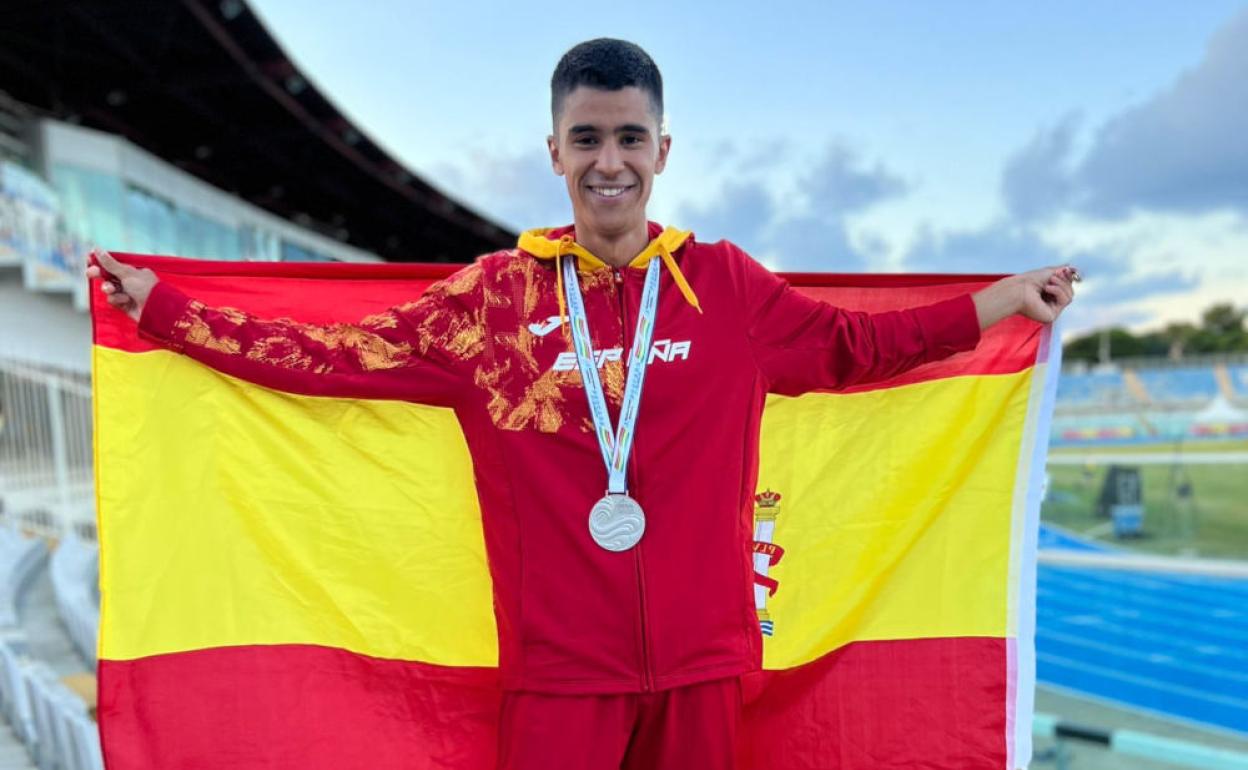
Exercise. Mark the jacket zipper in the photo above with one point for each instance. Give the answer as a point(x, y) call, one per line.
point(647, 677)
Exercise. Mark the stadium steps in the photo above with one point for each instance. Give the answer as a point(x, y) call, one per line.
point(45, 634)
point(1135, 386)
point(48, 641)
point(1225, 386)
point(13, 755)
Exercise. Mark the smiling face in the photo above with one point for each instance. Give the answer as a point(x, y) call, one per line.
point(608, 148)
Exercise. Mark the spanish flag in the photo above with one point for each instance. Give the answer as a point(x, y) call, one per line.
point(294, 581)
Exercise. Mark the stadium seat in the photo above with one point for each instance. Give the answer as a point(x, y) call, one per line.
point(20, 560)
point(1181, 385)
point(16, 703)
point(74, 579)
point(1239, 380)
point(1092, 389)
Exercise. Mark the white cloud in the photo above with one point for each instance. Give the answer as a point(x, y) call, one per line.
point(1183, 150)
point(1036, 181)
point(517, 189)
point(1003, 246)
point(796, 222)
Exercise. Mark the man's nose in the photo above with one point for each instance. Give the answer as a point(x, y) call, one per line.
point(610, 160)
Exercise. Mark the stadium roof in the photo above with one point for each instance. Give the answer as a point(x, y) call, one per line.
point(202, 84)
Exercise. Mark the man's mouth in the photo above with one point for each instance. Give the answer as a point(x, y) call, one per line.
point(610, 191)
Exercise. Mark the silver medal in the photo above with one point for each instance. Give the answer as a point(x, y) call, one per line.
point(616, 522)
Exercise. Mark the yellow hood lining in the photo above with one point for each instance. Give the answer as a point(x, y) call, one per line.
point(536, 243)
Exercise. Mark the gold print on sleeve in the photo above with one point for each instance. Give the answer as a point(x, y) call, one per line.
point(195, 331)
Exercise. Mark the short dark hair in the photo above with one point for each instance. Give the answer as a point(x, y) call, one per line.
point(608, 64)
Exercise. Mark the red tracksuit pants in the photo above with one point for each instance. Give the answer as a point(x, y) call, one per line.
point(686, 728)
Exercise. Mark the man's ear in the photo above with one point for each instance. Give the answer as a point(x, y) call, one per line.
point(665, 145)
point(553, 147)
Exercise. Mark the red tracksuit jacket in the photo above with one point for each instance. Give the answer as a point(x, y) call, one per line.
point(489, 341)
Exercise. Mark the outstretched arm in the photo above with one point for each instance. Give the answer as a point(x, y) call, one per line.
point(392, 354)
point(801, 344)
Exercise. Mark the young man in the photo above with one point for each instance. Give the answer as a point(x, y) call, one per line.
point(626, 618)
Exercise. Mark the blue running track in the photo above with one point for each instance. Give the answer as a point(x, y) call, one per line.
point(1174, 645)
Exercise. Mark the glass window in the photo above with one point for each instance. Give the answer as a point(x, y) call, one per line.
point(151, 224)
point(293, 252)
point(91, 203)
point(259, 245)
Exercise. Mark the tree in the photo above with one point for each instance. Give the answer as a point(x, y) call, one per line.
point(1223, 329)
point(1177, 336)
point(1223, 319)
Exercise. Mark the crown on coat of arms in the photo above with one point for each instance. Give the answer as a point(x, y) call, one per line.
point(767, 505)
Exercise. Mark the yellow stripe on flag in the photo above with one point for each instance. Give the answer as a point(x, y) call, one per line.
point(354, 523)
point(278, 518)
point(903, 530)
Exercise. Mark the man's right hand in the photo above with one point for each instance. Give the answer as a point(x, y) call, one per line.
point(126, 287)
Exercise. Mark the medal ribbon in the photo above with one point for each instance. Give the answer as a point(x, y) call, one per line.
point(615, 445)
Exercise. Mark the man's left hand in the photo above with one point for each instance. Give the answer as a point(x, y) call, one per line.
point(1040, 295)
point(1047, 292)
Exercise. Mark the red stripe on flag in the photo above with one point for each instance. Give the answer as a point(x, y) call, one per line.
point(314, 294)
point(308, 293)
point(877, 705)
point(296, 707)
point(867, 706)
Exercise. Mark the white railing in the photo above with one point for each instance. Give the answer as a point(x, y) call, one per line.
point(46, 482)
point(1131, 562)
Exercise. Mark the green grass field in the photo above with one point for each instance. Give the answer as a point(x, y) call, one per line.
point(1212, 522)
point(1191, 446)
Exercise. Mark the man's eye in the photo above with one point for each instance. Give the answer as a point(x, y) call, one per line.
point(627, 139)
point(585, 141)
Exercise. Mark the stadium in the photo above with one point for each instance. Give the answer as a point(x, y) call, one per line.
point(220, 148)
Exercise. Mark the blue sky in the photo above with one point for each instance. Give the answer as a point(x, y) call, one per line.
point(832, 136)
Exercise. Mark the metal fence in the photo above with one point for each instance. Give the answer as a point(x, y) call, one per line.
point(45, 449)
